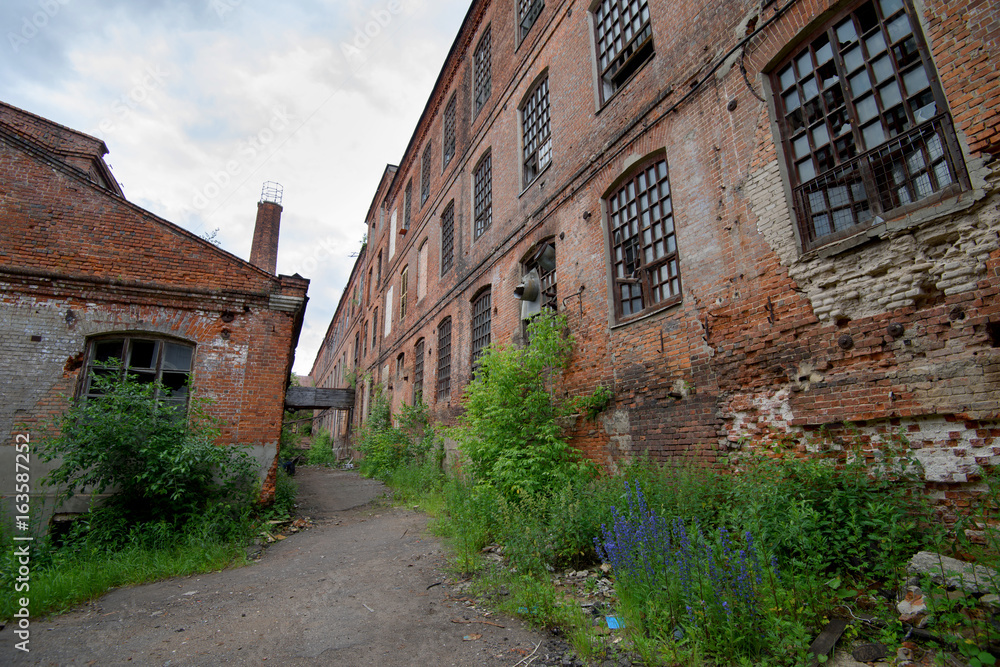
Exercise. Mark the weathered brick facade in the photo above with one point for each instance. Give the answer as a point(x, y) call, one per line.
point(781, 326)
point(78, 261)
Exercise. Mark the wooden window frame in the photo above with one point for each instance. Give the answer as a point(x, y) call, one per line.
point(536, 131)
point(844, 179)
point(621, 55)
point(634, 261)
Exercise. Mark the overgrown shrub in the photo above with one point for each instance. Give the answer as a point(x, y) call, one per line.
point(386, 446)
point(833, 510)
point(321, 450)
point(160, 464)
point(509, 432)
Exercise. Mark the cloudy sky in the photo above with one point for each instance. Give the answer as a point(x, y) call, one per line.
point(201, 101)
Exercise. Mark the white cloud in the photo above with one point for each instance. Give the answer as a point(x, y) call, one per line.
point(191, 102)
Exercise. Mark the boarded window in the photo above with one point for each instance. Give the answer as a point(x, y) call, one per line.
point(422, 270)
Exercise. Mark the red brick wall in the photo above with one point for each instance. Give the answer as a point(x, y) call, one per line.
point(77, 262)
point(754, 345)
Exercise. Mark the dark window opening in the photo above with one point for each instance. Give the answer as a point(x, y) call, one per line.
point(407, 201)
point(418, 372)
point(481, 316)
point(448, 144)
point(146, 360)
point(863, 123)
point(425, 175)
point(644, 262)
point(483, 69)
point(483, 179)
point(527, 13)
point(444, 360)
point(536, 131)
point(624, 37)
point(447, 238)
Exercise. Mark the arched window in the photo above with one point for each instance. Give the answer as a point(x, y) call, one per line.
point(147, 358)
point(444, 360)
point(481, 311)
point(645, 267)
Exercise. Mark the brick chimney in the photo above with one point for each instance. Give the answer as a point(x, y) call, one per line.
point(264, 250)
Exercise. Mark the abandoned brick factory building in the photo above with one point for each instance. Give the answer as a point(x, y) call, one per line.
point(761, 217)
point(86, 276)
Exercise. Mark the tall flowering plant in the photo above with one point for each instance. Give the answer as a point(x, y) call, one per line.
point(707, 586)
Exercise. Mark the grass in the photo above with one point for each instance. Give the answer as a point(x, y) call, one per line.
point(827, 531)
point(81, 578)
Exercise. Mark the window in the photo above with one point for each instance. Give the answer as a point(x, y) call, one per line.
point(418, 372)
point(644, 262)
point(378, 276)
point(357, 348)
point(480, 326)
point(392, 234)
point(375, 330)
point(444, 359)
point(399, 367)
point(527, 12)
point(624, 38)
point(536, 132)
point(542, 261)
point(447, 238)
point(863, 122)
point(448, 144)
point(403, 285)
point(370, 281)
point(147, 359)
point(388, 312)
point(483, 66)
point(425, 175)
point(483, 180)
point(422, 270)
point(407, 200)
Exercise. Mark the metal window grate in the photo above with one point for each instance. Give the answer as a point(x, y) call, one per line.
point(403, 288)
point(418, 372)
point(483, 179)
point(407, 201)
point(624, 40)
point(483, 68)
point(444, 359)
point(537, 135)
point(480, 326)
point(527, 12)
point(644, 257)
point(862, 122)
point(449, 132)
point(447, 238)
point(425, 175)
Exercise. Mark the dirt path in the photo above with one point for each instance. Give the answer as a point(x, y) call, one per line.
point(364, 586)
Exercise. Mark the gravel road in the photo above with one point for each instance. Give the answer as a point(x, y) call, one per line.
point(365, 585)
